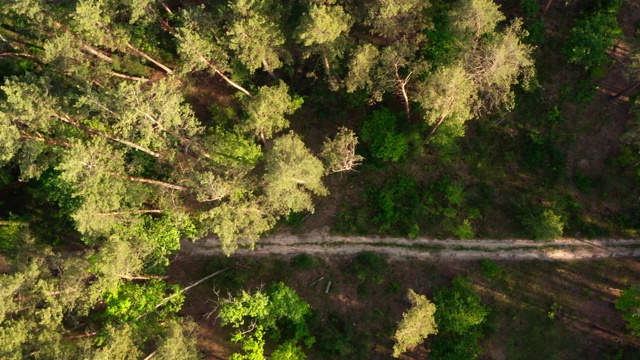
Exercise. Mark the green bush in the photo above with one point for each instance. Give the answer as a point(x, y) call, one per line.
point(592, 36)
point(396, 206)
point(536, 31)
point(530, 8)
point(369, 266)
point(303, 261)
point(545, 226)
point(465, 231)
point(385, 143)
point(490, 269)
point(629, 303)
point(460, 315)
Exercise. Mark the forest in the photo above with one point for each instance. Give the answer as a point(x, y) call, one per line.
point(128, 126)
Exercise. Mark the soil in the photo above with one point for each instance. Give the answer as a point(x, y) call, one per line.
point(320, 243)
point(586, 326)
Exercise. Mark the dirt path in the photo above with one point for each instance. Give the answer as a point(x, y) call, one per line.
point(321, 244)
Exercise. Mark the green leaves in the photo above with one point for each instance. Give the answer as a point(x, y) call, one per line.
point(592, 36)
point(254, 34)
point(629, 303)
point(339, 153)
point(266, 111)
point(322, 25)
point(279, 311)
point(381, 134)
point(132, 303)
point(292, 175)
point(459, 315)
point(416, 324)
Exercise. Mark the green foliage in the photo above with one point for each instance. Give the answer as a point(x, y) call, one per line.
point(629, 303)
point(536, 31)
point(368, 266)
point(396, 204)
point(465, 231)
point(460, 315)
point(254, 33)
point(490, 269)
point(338, 337)
point(544, 225)
point(592, 35)
point(322, 25)
point(132, 303)
point(267, 109)
point(339, 153)
point(416, 324)
point(303, 261)
point(530, 8)
point(380, 132)
point(279, 313)
point(292, 175)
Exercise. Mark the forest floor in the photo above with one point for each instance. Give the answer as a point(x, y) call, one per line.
point(551, 300)
point(320, 243)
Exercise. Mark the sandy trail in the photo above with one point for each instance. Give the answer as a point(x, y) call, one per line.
point(322, 244)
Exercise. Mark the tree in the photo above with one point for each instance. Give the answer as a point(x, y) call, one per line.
point(9, 139)
point(416, 324)
point(339, 153)
point(254, 33)
point(279, 312)
point(238, 222)
point(460, 315)
point(394, 19)
point(292, 175)
point(364, 58)
point(498, 65)
point(592, 35)
point(198, 47)
point(473, 19)
point(545, 226)
point(97, 174)
point(381, 71)
point(629, 303)
point(448, 95)
point(323, 30)
point(59, 304)
point(266, 111)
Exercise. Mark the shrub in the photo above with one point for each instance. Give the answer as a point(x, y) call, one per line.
point(465, 231)
point(628, 303)
point(385, 143)
point(546, 226)
point(490, 269)
point(592, 36)
point(369, 265)
point(303, 261)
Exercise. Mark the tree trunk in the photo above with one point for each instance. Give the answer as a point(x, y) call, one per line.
point(128, 277)
point(144, 55)
point(130, 212)
point(45, 140)
point(549, 2)
point(128, 77)
point(164, 301)
point(108, 136)
point(435, 127)
point(223, 76)
point(407, 108)
point(157, 182)
point(97, 53)
point(624, 91)
point(266, 67)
